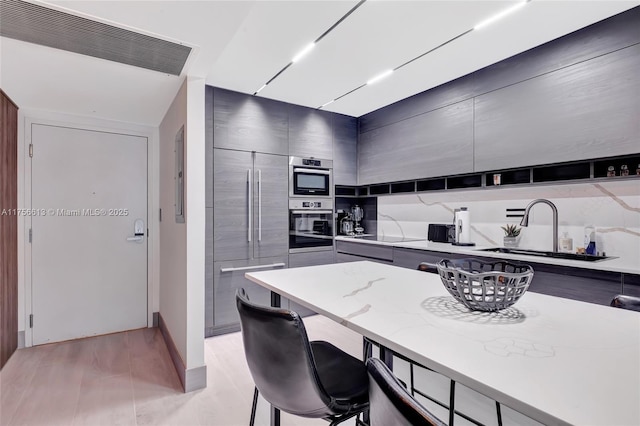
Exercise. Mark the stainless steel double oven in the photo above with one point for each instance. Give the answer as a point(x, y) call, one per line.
point(310, 205)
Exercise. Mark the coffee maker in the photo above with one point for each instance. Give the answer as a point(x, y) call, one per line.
point(345, 223)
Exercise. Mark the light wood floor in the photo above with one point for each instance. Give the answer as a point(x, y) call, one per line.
point(128, 379)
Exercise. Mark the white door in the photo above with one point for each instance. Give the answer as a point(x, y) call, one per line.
point(87, 190)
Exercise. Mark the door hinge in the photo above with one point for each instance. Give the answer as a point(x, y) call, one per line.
point(30, 320)
point(30, 150)
point(30, 234)
point(160, 216)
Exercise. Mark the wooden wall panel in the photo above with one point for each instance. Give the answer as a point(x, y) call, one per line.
point(8, 228)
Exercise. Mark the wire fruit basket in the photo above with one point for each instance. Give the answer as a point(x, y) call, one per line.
point(485, 286)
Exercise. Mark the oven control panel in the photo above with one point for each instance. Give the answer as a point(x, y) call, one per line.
point(306, 204)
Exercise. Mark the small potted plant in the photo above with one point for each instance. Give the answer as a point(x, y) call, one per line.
point(511, 234)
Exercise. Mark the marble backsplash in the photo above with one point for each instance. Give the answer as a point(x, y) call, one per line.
point(613, 208)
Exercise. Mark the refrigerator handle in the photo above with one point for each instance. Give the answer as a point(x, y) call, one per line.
point(249, 203)
point(259, 205)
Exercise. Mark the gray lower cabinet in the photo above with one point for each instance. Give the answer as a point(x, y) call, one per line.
point(228, 276)
point(437, 143)
point(410, 258)
point(347, 251)
point(585, 285)
point(297, 260)
point(584, 111)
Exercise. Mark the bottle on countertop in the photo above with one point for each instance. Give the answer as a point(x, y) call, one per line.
point(611, 171)
point(638, 170)
point(566, 243)
point(590, 240)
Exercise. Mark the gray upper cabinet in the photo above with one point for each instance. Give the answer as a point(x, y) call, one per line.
point(584, 111)
point(345, 150)
point(271, 224)
point(437, 143)
point(310, 133)
point(249, 123)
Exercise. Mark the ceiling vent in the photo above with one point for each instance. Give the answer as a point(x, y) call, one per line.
point(33, 23)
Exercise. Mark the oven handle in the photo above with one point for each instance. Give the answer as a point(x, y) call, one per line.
point(311, 211)
point(249, 202)
point(314, 171)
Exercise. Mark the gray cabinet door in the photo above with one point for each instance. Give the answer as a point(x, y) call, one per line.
point(228, 277)
point(249, 123)
point(310, 133)
point(366, 251)
point(231, 177)
point(270, 201)
point(409, 258)
point(437, 143)
point(345, 153)
point(584, 111)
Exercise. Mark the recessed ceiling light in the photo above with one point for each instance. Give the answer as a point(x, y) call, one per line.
point(499, 15)
point(380, 76)
point(303, 52)
point(258, 91)
point(324, 105)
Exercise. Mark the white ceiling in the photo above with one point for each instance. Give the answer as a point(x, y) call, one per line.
point(239, 45)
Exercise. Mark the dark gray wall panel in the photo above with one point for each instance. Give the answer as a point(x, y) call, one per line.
point(345, 150)
point(249, 123)
point(585, 111)
point(433, 144)
point(310, 133)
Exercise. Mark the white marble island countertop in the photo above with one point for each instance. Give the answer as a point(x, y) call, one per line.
point(555, 360)
point(614, 264)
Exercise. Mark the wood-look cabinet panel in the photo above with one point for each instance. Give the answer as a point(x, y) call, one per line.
point(232, 176)
point(345, 150)
point(589, 286)
point(310, 133)
point(601, 38)
point(249, 123)
point(270, 205)
point(8, 228)
point(366, 250)
point(437, 143)
point(446, 94)
point(584, 111)
point(411, 258)
point(229, 280)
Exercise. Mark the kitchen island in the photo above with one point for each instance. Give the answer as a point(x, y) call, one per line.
point(555, 360)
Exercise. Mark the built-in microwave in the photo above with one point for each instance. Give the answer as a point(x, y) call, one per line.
point(310, 177)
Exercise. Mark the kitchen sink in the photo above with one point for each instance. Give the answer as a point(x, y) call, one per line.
point(552, 254)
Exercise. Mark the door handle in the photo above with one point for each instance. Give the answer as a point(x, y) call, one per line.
point(251, 268)
point(138, 232)
point(249, 203)
point(259, 205)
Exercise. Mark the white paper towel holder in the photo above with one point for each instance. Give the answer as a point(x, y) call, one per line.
point(460, 226)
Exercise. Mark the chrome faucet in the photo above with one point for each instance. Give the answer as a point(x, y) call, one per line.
point(525, 218)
